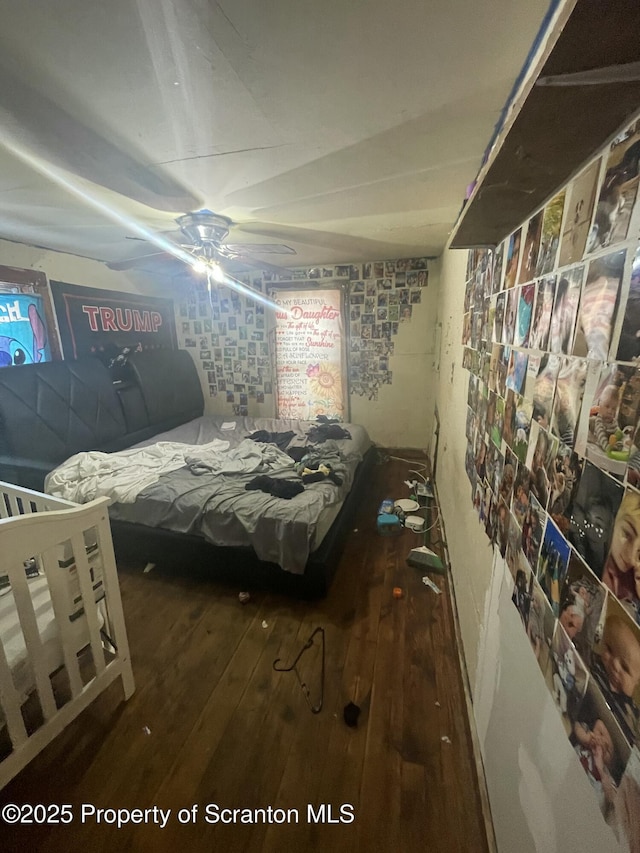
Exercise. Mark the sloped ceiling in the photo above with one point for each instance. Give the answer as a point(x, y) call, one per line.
point(346, 130)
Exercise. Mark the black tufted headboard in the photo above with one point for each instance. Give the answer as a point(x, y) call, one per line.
point(50, 411)
point(170, 388)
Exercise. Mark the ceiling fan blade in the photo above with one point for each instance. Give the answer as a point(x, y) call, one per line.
point(261, 248)
point(131, 263)
point(46, 129)
point(313, 237)
point(258, 264)
point(628, 73)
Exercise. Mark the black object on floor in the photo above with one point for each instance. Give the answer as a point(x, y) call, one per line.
point(351, 713)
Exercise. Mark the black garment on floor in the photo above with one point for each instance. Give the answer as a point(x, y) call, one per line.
point(351, 713)
point(319, 434)
point(286, 489)
point(280, 439)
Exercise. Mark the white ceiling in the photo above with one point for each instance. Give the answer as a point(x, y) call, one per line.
point(347, 129)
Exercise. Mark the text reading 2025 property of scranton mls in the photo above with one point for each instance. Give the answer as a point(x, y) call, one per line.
point(210, 813)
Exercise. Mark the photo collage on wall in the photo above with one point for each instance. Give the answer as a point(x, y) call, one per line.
point(226, 332)
point(382, 295)
point(229, 333)
point(551, 339)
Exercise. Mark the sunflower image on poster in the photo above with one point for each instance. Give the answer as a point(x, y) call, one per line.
point(325, 385)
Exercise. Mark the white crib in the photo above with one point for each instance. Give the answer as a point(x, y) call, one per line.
point(73, 605)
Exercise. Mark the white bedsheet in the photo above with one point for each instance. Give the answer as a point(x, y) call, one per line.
point(122, 476)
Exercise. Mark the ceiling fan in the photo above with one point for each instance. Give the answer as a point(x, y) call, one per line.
point(625, 73)
point(205, 233)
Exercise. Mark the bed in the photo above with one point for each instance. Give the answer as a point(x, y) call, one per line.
point(199, 509)
point(61, 619)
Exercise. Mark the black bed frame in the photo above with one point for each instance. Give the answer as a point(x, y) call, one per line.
point(49, 412)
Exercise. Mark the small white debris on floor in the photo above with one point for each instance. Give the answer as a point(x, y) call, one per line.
point(146, 730)
point(431, 585)
point(265, 624)
point(148, 568)
point(445, 739)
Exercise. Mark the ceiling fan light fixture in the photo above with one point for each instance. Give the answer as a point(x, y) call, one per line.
point(204, 227)
point(199, 266)
point(217, 273)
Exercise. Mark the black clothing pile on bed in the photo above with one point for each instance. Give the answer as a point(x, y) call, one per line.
point(312, 463)
point(286, 489)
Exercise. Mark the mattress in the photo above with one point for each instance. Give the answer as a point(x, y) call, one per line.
point(219, 508)
point(13, 640)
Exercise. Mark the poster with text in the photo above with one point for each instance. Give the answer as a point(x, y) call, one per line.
point(310, 354)
point(109, 325)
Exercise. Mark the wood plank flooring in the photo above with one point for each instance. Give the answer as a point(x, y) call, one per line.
point(212, 722)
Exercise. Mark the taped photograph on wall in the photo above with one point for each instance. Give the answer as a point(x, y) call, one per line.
point(597, 309)
point(615, 667)
point(582, 601)
point(550, 239)
point(600, 747)
point(581, 199)
point(618, 191)
point(629, 343)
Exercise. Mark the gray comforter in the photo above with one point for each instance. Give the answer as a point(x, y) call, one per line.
point(216, 504)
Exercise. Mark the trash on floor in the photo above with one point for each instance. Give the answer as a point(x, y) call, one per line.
point(397, 592)
point(351, 713)
point(243, 597)
point(445, 739)
point(265, 624)
point(294, 668)
point(146, 730)
point(425, 558)
point(431, 585)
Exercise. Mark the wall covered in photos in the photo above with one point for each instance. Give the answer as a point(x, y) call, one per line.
point(551, 343)
point(391, 325)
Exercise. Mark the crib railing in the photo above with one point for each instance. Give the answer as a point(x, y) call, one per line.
point(71, 545)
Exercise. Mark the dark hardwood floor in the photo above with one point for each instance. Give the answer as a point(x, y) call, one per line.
point(211, 722)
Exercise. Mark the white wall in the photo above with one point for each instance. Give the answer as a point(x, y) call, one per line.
point(82, 271)
point(540, 798)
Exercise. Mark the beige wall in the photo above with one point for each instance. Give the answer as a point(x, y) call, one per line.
point(540, 798)
point(402, 416)
point(453, 483)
